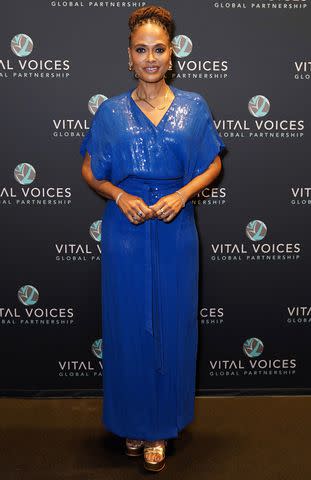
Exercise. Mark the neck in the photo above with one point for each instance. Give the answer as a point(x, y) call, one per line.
point(151, 90)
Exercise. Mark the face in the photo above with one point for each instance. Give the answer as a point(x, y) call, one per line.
point(150, 52)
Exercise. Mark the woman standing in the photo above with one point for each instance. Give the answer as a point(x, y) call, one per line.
point(148, 151)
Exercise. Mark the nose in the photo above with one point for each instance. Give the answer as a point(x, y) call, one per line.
point(150, 56)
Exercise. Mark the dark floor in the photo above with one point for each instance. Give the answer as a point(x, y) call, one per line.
point(231, 438)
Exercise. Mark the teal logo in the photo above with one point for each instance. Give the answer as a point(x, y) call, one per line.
point(258, 106)
point(28, 295)
point(21, 45)
point(97, 348)
point(253, 347)
point(95, 230)
point(182, 46)
point(256, 230)
point(24, 173)
point(95, 101)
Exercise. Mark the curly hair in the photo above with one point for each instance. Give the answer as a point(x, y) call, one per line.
point(152, 13)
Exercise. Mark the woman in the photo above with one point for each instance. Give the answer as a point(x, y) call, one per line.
point(148, 151)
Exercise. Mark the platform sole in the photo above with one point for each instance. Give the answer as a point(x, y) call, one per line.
point(137, 453)
point(154, 468)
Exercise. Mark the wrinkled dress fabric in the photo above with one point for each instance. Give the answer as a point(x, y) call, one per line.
point(150, 270)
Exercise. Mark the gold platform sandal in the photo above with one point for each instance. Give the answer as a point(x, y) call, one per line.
point(134, 448)
point(151, 450)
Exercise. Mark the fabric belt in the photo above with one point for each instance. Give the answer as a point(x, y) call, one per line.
point(153, 189)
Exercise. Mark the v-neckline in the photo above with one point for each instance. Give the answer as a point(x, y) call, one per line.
point(143, 113)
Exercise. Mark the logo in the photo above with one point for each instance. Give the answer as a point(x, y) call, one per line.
point(258, 106)
point(95, 102)
point(260, 127)
point(72, 128)
point(299, 315)
point(300, 196)
point(82, 251)
point(212, 316)
point(302, 70)
point(195, 68)
point(211, 196)
point(182, 46)
point(28, 313)
point(251, 365)
point(97, 348)
point(256, 231)
point(92, 367)
point(96, 4)
point(28, 295)
point(21, 66)
point(287, 5)
point(95, 230)
point(21, 45)
point(25, 174)
point(253, 347)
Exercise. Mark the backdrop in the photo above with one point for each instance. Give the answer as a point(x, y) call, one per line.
point(251, 61)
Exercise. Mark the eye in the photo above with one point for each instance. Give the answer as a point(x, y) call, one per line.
point(158, 50)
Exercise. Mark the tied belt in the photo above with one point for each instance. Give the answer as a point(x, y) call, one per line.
point(152, 190)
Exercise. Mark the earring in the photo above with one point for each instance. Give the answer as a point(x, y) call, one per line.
point(169, 68)
point(130, 67)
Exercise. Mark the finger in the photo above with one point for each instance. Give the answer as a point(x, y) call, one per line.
point(153, 213)
point(142, 209)
point(157, 207)
point(132, 219)
point(164, 212)
point(133, 216)
point(136, 214)
point(169, 218)
point(140, 213)
point(153, 209)
point(147, 211)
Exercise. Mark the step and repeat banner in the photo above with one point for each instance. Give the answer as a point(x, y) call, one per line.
point(251, 61)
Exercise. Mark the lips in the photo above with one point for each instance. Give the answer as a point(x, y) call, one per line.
point(151, 69)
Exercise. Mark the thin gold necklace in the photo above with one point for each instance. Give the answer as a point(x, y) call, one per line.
point(158, 107)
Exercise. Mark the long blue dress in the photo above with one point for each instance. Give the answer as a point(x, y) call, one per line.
point(150, 270)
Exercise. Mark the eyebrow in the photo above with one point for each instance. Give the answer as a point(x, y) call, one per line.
point(145, 45)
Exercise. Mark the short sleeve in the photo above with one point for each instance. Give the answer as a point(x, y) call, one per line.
point(96, 142)
point(209, 143)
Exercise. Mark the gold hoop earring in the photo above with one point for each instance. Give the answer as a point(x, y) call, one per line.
point(130, 67)
point(170, 67)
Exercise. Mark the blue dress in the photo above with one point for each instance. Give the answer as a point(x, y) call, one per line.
point(150, 270)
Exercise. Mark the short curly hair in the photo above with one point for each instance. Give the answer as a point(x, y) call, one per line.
point(152, 13)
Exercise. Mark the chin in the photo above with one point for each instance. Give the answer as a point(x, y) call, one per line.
point(151, 78)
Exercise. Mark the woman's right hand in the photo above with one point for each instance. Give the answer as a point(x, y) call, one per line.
point(131, 205)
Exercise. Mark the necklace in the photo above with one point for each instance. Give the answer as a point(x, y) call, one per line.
point(158, 107)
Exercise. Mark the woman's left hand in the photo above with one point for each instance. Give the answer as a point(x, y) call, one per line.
point(170, 204)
